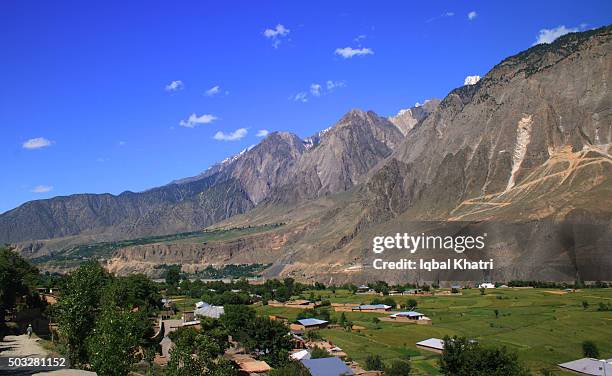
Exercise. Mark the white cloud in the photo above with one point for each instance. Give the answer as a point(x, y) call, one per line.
point(194, 120)
point(443, 15)
point(42, 189)
point(232, 136)
point(471, 80)
point(331, 85)
point(549, 35)
point(122, 143)
point(301, 97)
point(175, 86)
point(315, 90)
point(279, 30)
point(36, 143)
point(472, 15)
point(262, 133)
point(276, 34)
point(213, 90)
point(348, 52)
point(102, 160)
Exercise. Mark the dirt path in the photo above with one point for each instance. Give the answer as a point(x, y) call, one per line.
point(22, 346)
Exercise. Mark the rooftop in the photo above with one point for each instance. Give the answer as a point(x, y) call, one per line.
point(208, 310)
point(312, 322)
point(373, 306)
point(589, 366)
point(255, 366)
point(434, 343)
point(408, 313)
point(327, 367)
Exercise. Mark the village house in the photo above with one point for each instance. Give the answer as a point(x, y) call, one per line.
point(432, 344)
point(372, 308)
point(362, 288)
point(411, 317)
point(486, 285)
point(413, 292)
point(327, 367)
point(206, 310)
point(588, 366)
point(308, 324)
point(300, 355)
point(248, 365)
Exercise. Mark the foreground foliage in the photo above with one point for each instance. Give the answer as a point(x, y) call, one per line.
point(462, 357)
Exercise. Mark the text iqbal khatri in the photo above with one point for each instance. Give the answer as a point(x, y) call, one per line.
point(433, 264)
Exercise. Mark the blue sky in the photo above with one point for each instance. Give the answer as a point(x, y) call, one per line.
point(88, 104)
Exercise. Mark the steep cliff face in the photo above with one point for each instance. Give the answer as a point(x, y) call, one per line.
point(194, 256)
point(523, 155)
point(340, 157)
point(487, 138)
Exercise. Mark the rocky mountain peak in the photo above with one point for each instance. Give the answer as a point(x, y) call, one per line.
point(407, 118)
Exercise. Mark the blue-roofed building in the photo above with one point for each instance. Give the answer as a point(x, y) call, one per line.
point(310, 324)
point(327, 367)
point(372, 308)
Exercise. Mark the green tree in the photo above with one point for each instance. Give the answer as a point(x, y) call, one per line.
point(398, 368)
point(134, 291)
point(496, 311)
point(270, 339)
point(113, 347)
point(17, 278)
point(411, 304)
point(78, 307)
point(590, 350)
point(585, 304)
point(282, 294)
point(318, 352)
point(197, 353)
point(373, 363)
point(461, 357)
point(173, 275)
point(342, 320)
point(237, 319)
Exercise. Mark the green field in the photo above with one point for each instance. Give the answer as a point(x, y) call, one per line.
point(544, 328)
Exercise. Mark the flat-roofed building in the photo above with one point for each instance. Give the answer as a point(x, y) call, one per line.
point(372, 308)
point(431, 344)
point(309, 324)
point(589, 366)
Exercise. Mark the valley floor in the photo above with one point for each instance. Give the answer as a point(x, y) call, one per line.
point(543, 326)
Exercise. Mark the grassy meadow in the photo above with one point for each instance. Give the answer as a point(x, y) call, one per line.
point(543, 326)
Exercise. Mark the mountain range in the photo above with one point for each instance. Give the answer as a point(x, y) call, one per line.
point(522, 154)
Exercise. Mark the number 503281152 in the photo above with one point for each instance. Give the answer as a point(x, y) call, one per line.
point(36, 362)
